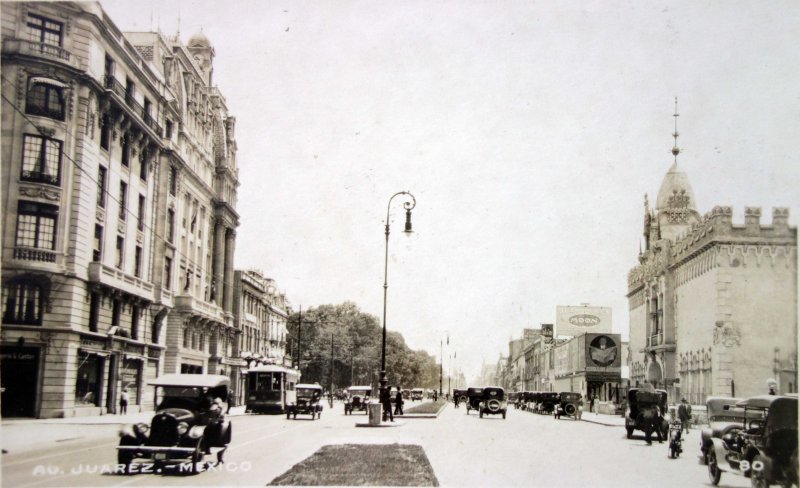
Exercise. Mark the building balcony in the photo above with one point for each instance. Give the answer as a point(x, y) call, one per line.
point(49, 52)
point(114, 278)
point(141, 115)
point(34, 254)
point(190, 305)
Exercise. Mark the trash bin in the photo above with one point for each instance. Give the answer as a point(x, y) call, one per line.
point(374, 411)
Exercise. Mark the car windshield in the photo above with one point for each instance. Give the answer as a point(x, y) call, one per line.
point(307, 392)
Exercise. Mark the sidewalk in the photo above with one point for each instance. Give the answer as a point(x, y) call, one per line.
point(130, 418)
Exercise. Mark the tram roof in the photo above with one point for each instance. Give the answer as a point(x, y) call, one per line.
point(272, 368)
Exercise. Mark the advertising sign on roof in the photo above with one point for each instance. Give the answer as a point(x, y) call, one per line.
point(575, 321)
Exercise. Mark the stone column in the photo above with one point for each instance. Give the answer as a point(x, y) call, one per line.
point(219, 261)
point(230, 242)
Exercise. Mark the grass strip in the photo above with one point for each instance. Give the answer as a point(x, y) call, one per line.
point(362, 465)
point(427, 407)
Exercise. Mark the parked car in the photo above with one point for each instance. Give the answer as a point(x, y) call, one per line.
point(764, 448)
point(493, 402)
point(723, 416)
point(547, 401)
point(643, 406)
point(474, 397)
point(308, 401)
point(188, 424)
point(417, 394)
point(567, 405)
point(357, 399)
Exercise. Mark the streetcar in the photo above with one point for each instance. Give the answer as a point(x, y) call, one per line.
point(271, 388)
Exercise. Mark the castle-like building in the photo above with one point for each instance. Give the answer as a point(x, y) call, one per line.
point(119, 212)
point(713, 304)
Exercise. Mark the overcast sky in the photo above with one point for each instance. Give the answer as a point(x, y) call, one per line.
point(529, 133)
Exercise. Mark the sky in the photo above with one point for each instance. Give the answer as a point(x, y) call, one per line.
point(528, 132)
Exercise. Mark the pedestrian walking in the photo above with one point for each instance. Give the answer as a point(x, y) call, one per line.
point(435, 395)
point(231, 401)
point(123, 402)
point(772, 386)
point(579, 413)
point(386, 401)
point(398, 402)
point(592, 399)
point(685, 414)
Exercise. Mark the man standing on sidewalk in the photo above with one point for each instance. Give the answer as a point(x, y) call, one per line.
point(685, 414)
point(386, 401)
point(123, 402)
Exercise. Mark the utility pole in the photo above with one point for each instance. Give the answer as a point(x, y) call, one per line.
point(330, 390)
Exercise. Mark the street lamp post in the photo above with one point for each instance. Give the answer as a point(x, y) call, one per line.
point(409, 205)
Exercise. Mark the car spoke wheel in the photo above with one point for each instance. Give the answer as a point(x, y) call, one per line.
point(714, 474)
point(197, 456)
point(758, 478)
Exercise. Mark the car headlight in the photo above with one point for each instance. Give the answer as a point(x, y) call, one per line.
point(183, 427)
point(141, 428)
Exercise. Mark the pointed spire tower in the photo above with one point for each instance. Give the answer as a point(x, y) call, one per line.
point(675, 205)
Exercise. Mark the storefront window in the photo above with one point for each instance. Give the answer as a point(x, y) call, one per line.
point(87, 386)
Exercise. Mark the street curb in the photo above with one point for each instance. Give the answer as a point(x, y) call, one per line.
point(598, 422)
point(382, 424)
point(424, 415)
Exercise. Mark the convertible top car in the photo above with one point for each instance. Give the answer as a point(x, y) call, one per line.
point(357, 399)
point(189, 423)
point(493, 402)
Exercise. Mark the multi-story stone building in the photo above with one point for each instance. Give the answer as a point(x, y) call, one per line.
point(260, 318)
point(713, 304)
point(117, 154)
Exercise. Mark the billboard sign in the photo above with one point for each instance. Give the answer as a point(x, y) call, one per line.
point(603, 357)
point(575, 321)
point(547, 332)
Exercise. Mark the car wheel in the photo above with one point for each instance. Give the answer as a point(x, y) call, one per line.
point(758, 478)
point(125, 458)
point(714, 473)
point(480, 414)
point(629, 430)
point(504, 414)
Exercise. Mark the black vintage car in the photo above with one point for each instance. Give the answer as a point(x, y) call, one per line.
point(493, 402)
point(568, 405)
point(357, 399)
point(189, 423)
point(764, 448)
point(643, 407)
point(474, 397)
point(546, 402)
point(307, 403)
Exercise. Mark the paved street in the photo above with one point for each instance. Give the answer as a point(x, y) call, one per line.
point(523, 450)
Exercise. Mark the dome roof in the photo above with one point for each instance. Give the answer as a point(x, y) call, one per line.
point(675, 184)
point(199, 40)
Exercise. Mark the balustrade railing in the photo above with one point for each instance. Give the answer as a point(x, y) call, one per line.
point(31, 254)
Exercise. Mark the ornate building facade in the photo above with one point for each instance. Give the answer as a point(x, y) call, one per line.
point(713, 304)
point(119, 176)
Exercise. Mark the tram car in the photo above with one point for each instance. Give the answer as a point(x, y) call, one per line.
point(271, 389)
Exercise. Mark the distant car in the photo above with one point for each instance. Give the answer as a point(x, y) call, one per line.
point(189, 422)
point(546, 402)
point(643, 405)
point(461, 395)
point(357, 399)
point(493, 402)
point(474, 397)
point(764, 448)
point(417, 394)
point(308, 398)
point(568, 405)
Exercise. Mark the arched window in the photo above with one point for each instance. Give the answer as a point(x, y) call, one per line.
point(45, 98)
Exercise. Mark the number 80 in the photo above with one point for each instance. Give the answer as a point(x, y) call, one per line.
point(756, 466)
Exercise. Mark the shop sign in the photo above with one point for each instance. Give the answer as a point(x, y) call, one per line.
point(93, 343)
point(233, 362)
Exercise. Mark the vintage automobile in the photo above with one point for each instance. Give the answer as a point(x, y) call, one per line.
point(357, 399)
point(512, 397)
point(417, 394)
point(546, 402)
point(723, 415)
point(764, 448)
point(188, 424)
point(643, 407)
point(308, 401)
point(461, 395)
point(474, 397)
point(493, 402)
point(568, 405)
